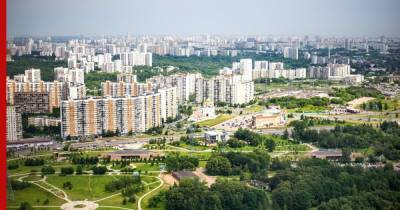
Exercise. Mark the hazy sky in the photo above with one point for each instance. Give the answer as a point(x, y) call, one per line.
point(185, 17)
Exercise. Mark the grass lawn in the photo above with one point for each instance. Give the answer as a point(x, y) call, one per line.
point(148, 179)
point(254, 108)
point(140, 166)
point(191, 147)
point(240, 149)
point(33, 194)
point(32, 178)
point(84, 187)
point(24, 169)
point(199, 155)
point(117, 200)
point(161, 205)
point(219, 119)
point(147, 167)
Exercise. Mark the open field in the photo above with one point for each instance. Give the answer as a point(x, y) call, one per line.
point(91, 187)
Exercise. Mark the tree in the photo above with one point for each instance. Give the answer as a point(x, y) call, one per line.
point(67, 185)
point(99, 170)
point(66, 171)
point(25, 206)
point(285, 134)
point(47, 170)
point(79, 170)
point(218, 165)
point(270, 144)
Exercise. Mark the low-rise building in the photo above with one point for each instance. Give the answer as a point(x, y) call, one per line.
point(269, 118)
point(329, 154)
point(205, 112)
point(180, 175)
point(130, 154)
point(42, 121)
point(216, 136)
point(38, 142)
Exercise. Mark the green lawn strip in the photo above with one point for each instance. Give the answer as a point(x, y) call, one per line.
point(199, 155)
point(254, 108)
point(116, 201)
point(192, 147)
point(219, 119)
point(33, 194)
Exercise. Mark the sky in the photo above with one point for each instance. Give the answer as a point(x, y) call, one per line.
point(188, 17)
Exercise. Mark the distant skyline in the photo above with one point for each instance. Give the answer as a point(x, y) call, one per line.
point(186, 17)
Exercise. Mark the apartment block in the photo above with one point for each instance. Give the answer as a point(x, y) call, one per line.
point(55, 90)
point(96, 116)
point(32, 102)
point(14, 125)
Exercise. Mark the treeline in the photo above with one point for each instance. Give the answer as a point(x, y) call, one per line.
point(34, 162)
point(93, 80)
point(234, 163)
point(313, 121)
point(176, 162)
point(380, 105)
point(384, 140)
point(316, 183)
point(291, 102)
point(353, 92)
point(254, 139)
point(209, 65)
point(30, 131)
point(122, 182)
point(191, 194)
point(88, 160)
point(44, 63)
point(19, 185)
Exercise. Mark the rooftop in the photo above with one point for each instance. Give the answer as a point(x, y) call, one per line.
point(183, 175)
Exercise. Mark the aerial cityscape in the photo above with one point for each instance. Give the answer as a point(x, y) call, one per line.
point(156, 111)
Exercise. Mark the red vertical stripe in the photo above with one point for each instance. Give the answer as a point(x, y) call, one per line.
point(3, 112)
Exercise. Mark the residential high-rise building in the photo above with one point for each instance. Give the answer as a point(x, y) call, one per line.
point(32, 75)
point(136, 58)
point(246, 69)
point(14, 125)
point(126, 77)
point(32, 102)
point(54, 89)
point(291, 52)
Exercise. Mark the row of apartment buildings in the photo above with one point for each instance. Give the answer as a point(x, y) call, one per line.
point(228, 89)
point(96, 116)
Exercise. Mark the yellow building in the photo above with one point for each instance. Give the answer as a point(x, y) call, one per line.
point(269, 118)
